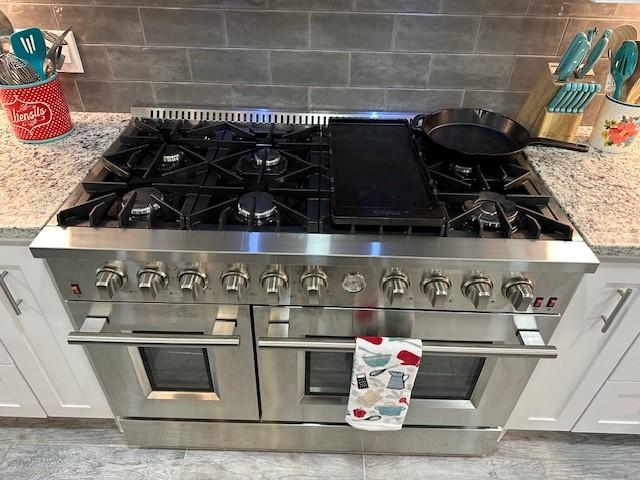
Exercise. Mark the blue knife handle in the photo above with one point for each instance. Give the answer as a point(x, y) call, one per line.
point(568, 54)
point(574, 60)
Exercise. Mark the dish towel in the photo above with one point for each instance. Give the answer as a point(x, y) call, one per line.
point(384, 370)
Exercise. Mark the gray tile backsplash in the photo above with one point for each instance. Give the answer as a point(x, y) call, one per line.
point(402, 55)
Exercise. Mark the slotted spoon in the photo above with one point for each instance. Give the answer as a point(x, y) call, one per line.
point(30, 47)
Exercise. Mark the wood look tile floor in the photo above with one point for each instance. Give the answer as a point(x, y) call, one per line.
point(95, 450)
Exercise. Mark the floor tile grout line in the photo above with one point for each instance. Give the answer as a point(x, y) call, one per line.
point(364, 466)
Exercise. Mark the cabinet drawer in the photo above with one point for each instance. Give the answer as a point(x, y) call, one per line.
point(5, 358)
point(613, 410)
point(628, 370)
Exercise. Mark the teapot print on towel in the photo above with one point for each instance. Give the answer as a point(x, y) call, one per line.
point(397, 380)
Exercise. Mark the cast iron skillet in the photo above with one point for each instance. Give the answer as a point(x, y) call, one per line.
point(476, 134)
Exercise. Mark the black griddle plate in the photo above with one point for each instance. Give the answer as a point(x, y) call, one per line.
point(378, 178)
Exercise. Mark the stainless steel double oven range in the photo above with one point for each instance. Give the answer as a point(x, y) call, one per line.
point(217, 266)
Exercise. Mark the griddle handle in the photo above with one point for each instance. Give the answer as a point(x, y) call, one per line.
point(549, 142)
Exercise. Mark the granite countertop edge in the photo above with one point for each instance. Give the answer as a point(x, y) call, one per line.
point(69, 160)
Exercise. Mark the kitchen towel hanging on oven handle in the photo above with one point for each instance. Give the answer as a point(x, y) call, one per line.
point(384, 371)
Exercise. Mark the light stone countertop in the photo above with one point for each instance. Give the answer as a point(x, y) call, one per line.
point(36, 179)
point(599, 192)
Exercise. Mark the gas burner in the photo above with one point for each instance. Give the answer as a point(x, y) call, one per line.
point(270, 157)
point(144, 203)
point(258, 206)
point(487, 211)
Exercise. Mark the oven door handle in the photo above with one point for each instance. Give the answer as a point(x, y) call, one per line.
point(91, 334)
point(428, 348)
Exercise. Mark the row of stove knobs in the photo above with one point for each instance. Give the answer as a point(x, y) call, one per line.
point(478, 288)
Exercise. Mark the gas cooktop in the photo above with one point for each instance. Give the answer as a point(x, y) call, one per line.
point(220, 175)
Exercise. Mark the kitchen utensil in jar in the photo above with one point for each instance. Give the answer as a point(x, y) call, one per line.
point(51, 37)
point(14, 71)
point(619, 35)
point(55, 50)
point(623, 64)
point(29, 45)
point(479, 135)
point(595, 53)
point(631, 88)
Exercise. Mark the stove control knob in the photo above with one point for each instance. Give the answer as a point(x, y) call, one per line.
point(478, 289)
point(394, 285)
point(109, 279)
point(314, 283)
point(151, 280)
point(235, 280)
point(519, 291)
point(436, 288)
point(274, 281)
point(192, 282)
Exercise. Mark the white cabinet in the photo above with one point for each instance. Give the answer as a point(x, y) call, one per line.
point(615, 409)
point(34, 335)
point(560, 390)
point(16, 398)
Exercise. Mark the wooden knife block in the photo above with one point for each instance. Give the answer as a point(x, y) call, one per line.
point(542, 123)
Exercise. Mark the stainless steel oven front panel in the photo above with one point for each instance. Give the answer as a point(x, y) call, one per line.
point(458, 390)
point(171, 360)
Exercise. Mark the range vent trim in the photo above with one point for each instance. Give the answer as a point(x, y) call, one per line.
point(257, 116)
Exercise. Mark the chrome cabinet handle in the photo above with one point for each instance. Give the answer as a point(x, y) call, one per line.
point(428, 348)
point(91, 334)
point(15, 303)
point(624, 297)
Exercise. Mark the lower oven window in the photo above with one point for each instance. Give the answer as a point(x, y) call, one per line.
point(439, 377)
point(177, 369)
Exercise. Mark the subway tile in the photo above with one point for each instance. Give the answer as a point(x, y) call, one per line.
point(532, 36)
point(486, 7)
point(309, 68)
point(267, 29)
point(527, 71)
point(229, 66)
point(183, 27)
point(114, 96)
point(112, 25)
point(259, 4)
point(389, 69)
point(196, 95)
point(571, 8)
point(317, 5)
point(346, 99)
point(470, 71)
point(396, 6)
point(628, 11)
point(143, 63)
point(422, 100)
point(436, 33)
point(351, 31)
point(71, 94)
point(508, 103)
point(95, 62)
point(263, 96)
point(24, 16)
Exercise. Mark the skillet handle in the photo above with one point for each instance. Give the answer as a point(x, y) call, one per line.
point(415, 122)
point(550, 142)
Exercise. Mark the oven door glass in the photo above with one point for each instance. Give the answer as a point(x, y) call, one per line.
point(439, 377)
point(177, 369)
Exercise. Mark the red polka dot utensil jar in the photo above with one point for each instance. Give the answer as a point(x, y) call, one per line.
point(38, 112)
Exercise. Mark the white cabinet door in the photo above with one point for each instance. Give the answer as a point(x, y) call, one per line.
point(16, 398)
point(59, 374)
point(628, 370)
point(561, 389)
point(616, 409)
